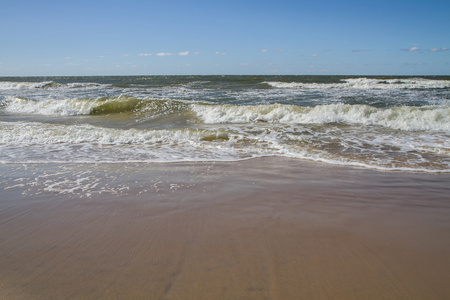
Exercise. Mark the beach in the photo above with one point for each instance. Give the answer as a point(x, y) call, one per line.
point(264, 228)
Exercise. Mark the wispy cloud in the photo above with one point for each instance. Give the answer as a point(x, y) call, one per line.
point(315, 54)
point(279, 50)
point(412, 49)
point(264, 50)
point(439, 49)
point(220, 53)
point(183, 53)
point(164, 54)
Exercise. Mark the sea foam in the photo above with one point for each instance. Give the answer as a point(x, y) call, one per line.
point(12, 85)
point(89, 106)
point(410, 118)
point(367, 83)
point(41, 133)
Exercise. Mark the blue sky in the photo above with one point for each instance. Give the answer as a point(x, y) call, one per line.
point(175, 37)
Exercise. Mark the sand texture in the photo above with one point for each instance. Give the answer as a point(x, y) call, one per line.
point(268, 228)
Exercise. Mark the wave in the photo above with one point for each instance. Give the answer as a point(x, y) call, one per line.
point(11, 85)
point(135, 105)
point(88, 106)
point(68, 107)
point(34, 142)
point(367, 83)
point(373, 148)
point(409, 118)
point(39, 133)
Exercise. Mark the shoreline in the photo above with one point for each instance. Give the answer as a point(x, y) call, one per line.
point(264, 228)
point(299, 159)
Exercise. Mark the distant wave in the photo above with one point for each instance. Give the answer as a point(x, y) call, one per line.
point(11, 85)
point(367, 83)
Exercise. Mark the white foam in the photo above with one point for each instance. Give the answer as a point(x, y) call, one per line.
point(53, 107)
point(367, 83)
point(372, 147)
point(12, 85)
point(410, 118)
point(43, 143)
point(67, 107)
point(39, 133)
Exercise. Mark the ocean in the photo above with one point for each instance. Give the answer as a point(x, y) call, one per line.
point(385, 123)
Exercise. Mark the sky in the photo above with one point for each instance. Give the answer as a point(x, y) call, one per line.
point(180, 37)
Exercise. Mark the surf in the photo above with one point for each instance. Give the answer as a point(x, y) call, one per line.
point(366, 83)
point(408, 118)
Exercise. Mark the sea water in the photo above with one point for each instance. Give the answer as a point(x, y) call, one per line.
point(387, 123)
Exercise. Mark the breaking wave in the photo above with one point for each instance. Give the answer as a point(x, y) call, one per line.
point(98, 106)
point(410, 118)
point(367, 83)
point(385, 123)
point(38, 133)
point(11, 85)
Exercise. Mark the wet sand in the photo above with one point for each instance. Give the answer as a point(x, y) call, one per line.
point(268, 228)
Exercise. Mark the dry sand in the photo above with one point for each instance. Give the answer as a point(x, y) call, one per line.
point(269, 228)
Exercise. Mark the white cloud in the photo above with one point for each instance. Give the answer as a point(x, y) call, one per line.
point(220, 53)
point(439, 49)
point(264, 50)
point(183, 53)
point(164, 54)
point(315, 54)
point(197, 53)
point(412, 49)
